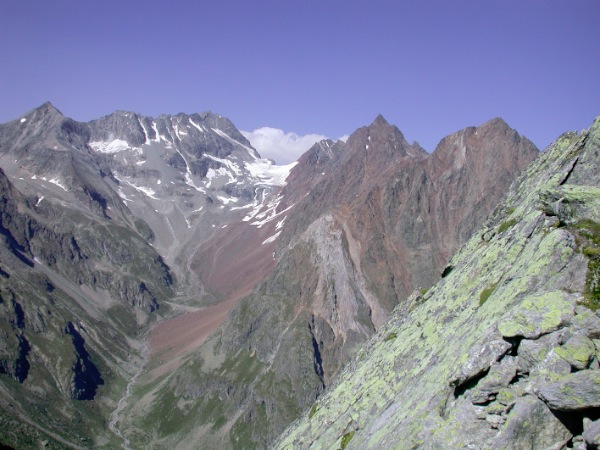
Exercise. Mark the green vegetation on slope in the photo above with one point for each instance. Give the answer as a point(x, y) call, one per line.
point(588, 232)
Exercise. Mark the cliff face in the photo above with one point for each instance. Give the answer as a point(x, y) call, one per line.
point(366, 222)
point(503, 351)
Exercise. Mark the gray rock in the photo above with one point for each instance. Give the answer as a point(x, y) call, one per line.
point(480, 359)
point(495, 420)
point(579, 443)
point(577, 351)
point(500, 376)
point(586, 320)
point(533, 351)
point(576, 391)
point(552, 368)
point(86, 377)
point(591, 431)
point(531, 425)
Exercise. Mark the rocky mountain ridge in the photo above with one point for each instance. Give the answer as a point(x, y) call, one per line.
point(181, 175)
point(503, 351)
point(83, 275)
point(112, 225)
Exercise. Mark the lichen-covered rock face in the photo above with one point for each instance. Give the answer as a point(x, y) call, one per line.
point(578, 351)
point(538, 315)
point(573, 392)
point(503, 351)
point(531, 424)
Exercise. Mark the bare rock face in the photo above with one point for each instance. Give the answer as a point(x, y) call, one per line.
point(532, 425)
point(576, 391)
point(86, 378)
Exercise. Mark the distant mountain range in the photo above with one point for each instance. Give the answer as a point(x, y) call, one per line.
point(163, 285)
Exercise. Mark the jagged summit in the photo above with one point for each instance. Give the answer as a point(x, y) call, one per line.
point(47, 107)
point(185, 166)
point(380, 121)
point(470, 144)
point(137, 130)
point(319, 154)
point(495, 122)
point(382, 140)
point(45, 115)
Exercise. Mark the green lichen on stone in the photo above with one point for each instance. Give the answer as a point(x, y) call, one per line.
point(585, 200)
point(591, 251)
point(537, 315)
point(577, 351)
point(591, 229)
point(495, 408)
point(313, 411)
point(505, 396)
point(592, 292)
point(572, 204)
point(516, 327)
point(588, 233)
point(575, 391)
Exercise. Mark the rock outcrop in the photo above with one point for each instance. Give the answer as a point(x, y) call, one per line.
point(503, 351)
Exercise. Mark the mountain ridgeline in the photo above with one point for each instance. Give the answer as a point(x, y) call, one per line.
point(503, 352)
point(163, 285)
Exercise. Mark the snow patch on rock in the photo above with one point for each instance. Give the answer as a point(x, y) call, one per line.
point(264, 171)
point(109, 147)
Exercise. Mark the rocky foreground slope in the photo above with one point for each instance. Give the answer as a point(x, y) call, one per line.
point(504, 351)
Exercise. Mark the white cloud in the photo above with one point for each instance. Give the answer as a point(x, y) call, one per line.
point(280, 146)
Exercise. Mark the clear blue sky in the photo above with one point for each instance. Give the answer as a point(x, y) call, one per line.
point(323, 67)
